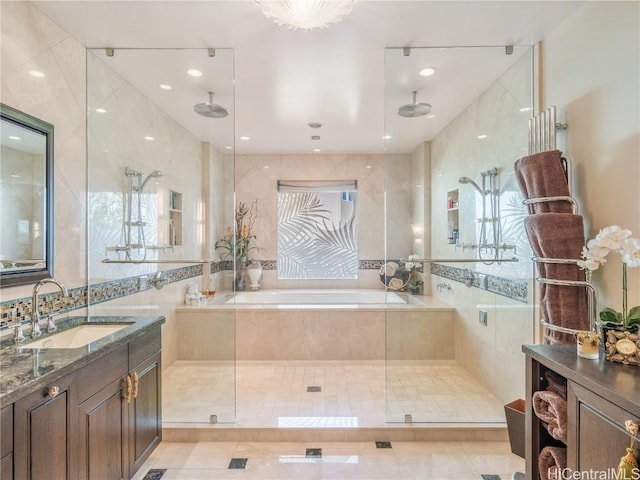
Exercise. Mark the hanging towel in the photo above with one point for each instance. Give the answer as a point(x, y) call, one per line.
point(544, 175)
point(551, 462)
point(559, 235)
point(551, 408)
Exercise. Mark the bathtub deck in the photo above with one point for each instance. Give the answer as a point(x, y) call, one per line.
point(273, 394)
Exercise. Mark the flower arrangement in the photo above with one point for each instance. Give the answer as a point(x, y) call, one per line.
point(237, 246)
point(614, 239)
point(410, 265)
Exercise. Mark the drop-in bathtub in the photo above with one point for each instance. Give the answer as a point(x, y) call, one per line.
point(317, 296)
point(318, 324)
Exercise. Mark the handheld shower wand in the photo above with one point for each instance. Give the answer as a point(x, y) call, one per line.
point(467, 180)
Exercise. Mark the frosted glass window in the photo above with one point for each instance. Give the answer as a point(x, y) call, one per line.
point(317, 230)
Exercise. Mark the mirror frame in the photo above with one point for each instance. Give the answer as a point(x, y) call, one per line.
point(12, 279)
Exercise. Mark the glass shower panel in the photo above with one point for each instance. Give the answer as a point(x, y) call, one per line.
point(160, 147)
point(441, 364)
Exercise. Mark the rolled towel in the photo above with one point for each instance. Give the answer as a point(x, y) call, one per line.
point(544, 175)
point(556, 383)
point(551, 462)
point(559, 235)
point(552, 409)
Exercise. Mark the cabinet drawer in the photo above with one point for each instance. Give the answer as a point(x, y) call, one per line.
point(596, 418)
point(6, 427)
point(144, 347)
point(102, 372)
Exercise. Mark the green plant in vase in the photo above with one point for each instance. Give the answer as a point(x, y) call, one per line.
point(237, 243)
point(620, 328)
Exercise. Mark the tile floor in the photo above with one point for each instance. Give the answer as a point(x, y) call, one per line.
point(332, 461)
point(355, 393)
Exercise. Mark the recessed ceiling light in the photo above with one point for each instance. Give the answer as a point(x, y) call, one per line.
point(101, 110)
point(15, 176)
point(483, 136)
point(525, 109)
point(427, 72)
point(265, 167)
point(386, 137)
point(317, 150)
point(228, 148)
point(165, 86)
point(245, 138)
point(194, 73)
point(149, 138)
point(369, 166)
point(13, 137)
point(36, 73)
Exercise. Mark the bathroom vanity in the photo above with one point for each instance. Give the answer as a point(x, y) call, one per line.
point(601, 396)
point(92, 412)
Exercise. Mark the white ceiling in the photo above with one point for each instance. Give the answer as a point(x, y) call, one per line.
point(286, 78)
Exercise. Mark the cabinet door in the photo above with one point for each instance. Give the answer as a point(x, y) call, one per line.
point(145, 413)
point(44, 442)
point(597, 440)
point(102, 443)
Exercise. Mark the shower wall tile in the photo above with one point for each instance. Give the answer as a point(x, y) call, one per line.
point(31, 41)
point(505, 291)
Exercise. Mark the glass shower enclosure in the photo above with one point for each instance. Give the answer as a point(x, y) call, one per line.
point(442, 365)
point(160, 144)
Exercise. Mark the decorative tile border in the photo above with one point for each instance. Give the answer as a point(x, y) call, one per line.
point(513, 289)
point(14, 312)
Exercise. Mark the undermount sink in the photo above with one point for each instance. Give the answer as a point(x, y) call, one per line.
point(76, 337)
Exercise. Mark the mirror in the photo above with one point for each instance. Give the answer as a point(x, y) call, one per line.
point(26, 194)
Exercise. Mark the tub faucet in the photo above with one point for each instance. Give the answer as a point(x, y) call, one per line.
point(35, 314)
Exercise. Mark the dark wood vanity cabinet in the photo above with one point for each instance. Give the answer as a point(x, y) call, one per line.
point(43, 445)
point(145, 409)
point(601, 396)
point(103, 422)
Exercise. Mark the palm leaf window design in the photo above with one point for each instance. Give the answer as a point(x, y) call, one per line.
point(317, 230)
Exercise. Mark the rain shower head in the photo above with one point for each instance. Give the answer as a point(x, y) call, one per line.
point(414, 109)
point(210, 109)
point(154, 174)
point(467, 180)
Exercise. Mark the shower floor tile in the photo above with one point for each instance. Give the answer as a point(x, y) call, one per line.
point(353, 394)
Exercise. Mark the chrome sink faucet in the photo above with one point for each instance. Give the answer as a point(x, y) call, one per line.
point(35, 314)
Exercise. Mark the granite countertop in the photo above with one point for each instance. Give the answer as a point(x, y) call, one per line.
point(23, 370)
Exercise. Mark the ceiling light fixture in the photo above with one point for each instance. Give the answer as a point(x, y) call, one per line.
point(228, 148)
point(483, 136)
point(387, 137)
point(36, 74)
point(13, 137)
point(149, 138)
point(245, 138)
point(316, 150)
point(305, 14)
point(194, 73)
point(101, 110)
point(166, 86)
point(427, 72)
